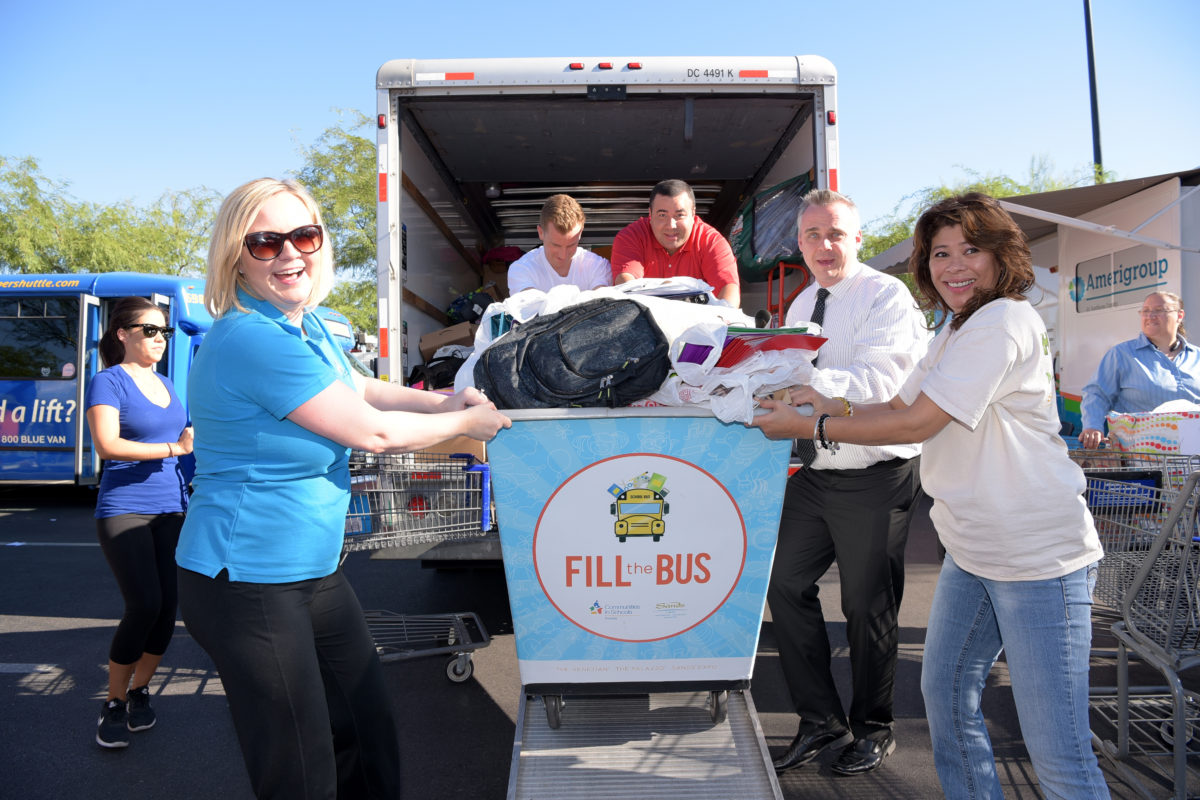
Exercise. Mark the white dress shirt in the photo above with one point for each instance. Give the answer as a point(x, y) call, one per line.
point(876, 336)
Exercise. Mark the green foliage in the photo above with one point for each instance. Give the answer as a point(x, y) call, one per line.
point(44, 230)
point(339, 171)
point(882, 233)
point(356, 296)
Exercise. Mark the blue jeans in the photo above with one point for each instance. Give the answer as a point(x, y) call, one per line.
point(1045, 630)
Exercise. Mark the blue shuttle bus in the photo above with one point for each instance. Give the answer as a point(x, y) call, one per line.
point(50, 327)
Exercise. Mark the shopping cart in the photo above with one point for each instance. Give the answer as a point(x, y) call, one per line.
point(1128, 507)
point(1156, 729)
point(403, 499)
point(1173, 468)
point(419, 498)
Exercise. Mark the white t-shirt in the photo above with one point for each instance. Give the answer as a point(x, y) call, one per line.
point(533, 271)
point(1007, 498)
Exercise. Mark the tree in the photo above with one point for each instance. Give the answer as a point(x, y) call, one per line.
point(898, 226)
point(44, 230)
point(339, 171)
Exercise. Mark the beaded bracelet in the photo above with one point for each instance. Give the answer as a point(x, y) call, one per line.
point(832, 447)
point(847, 409)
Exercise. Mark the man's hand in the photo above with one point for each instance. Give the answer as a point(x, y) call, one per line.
point(782, 421)
point(1091, 438)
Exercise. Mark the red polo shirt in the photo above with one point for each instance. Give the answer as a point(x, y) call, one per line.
point(705, 255)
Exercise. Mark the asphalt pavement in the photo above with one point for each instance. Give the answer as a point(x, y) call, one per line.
point(59, 605)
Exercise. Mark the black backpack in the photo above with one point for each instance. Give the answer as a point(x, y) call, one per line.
point(437, 373)
point(599, 353)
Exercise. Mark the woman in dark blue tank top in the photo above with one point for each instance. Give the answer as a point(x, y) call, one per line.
point(140, 429)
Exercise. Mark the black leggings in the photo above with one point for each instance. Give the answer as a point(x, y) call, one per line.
point(140, 549)
point(304, 684)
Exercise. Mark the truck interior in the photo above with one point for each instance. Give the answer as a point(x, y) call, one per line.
point(606, 149)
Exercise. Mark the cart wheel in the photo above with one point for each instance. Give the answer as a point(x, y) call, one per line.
point(718, 706)
point(621, 539)
point(656, 537)
point(460, 668)
point(554, 706)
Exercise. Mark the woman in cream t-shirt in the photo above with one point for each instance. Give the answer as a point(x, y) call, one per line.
point(1021, 547)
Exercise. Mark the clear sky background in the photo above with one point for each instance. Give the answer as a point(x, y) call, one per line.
point(126, 100)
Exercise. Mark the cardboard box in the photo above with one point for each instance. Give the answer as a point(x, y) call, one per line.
point(463, 333)
point(496, 272)
point(460, 444)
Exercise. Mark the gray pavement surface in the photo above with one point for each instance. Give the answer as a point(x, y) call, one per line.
point(59, 606)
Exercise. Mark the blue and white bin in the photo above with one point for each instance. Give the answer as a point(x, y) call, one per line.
point(637, 546)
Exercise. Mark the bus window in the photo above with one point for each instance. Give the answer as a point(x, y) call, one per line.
point(39, 337)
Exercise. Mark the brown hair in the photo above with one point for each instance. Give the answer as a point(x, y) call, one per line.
point(125, 312)
point(986, 225)
point(563, 212)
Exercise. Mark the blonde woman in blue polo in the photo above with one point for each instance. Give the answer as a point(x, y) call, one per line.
point(276, 410)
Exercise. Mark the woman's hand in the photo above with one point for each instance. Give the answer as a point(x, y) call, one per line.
point(484, 421)
point(186, 439)
point(820, 403)
point(1090, 438)
point(465, 399)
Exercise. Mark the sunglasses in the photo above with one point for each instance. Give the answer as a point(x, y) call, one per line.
point(150, 331)
point(268, 245)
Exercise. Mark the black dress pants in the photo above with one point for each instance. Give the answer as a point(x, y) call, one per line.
point(304, 684)
point(858, 518)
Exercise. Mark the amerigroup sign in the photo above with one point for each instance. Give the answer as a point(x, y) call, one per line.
point(1118, 279)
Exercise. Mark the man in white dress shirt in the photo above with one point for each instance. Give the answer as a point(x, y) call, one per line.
point(851, 504)
point(559, 260)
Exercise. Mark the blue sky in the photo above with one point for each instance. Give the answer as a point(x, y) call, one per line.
point(127, 100)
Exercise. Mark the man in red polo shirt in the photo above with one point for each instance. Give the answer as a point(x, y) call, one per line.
point(672, 241)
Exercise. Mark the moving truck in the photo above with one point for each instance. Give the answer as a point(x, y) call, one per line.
point(469, 149)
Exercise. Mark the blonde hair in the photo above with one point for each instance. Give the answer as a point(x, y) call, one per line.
point(563, 212)
point(237, 213)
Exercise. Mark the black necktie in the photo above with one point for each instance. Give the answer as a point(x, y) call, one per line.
point(806, 449)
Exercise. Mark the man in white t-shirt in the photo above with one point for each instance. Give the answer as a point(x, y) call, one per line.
point(560, 260)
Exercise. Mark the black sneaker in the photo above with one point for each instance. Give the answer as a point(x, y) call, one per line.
point(141, 715)
point(111, 730)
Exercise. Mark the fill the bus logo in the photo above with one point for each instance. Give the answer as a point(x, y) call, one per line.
point(639, 547)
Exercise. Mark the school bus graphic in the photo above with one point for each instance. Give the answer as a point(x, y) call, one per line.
point(640, 510)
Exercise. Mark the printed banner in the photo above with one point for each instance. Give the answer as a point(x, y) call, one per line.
point(636, 547)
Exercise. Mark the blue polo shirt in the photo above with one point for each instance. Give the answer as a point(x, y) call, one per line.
point(270, 496)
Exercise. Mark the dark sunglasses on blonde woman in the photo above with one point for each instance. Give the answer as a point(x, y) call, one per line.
point(267, 245)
